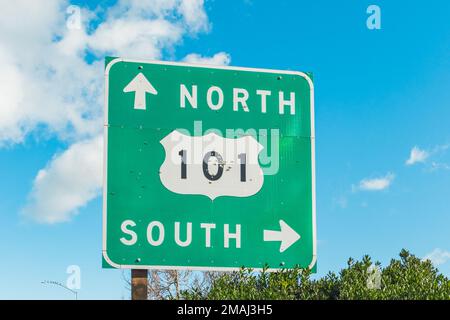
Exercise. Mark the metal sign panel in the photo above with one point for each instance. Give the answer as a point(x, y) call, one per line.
point(207, 168)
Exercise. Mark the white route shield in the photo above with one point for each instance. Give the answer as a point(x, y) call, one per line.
point(211, 165)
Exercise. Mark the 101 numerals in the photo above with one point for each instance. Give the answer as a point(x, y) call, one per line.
point(213, 154)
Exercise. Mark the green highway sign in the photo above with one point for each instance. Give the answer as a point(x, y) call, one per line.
point(207, 168)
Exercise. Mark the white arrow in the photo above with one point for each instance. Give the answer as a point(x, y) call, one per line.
point(286, 235)
point(140, 85)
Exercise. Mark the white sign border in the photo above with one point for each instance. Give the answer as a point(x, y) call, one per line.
point(105, 162)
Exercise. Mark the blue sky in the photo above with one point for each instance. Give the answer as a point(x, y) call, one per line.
point(378, 94)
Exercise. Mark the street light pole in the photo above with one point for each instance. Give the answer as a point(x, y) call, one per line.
point(62, 286)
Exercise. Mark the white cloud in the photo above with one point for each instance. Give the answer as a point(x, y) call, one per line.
point(189, 14)
point(375, 184)
point(47, 86)
point(438, 256)
point(68, 182)
point(194, 15)
point(439, 166)
point(219, 59)
point(417, 155)
point(135, 38)
point(45, 81)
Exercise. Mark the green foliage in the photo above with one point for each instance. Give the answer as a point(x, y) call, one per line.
point(406, 278)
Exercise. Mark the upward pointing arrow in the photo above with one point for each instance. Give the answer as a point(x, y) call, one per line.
point(286, 235)
point(140, 85)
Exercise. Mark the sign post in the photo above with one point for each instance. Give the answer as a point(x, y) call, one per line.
point(139, 284)
point(208, 168)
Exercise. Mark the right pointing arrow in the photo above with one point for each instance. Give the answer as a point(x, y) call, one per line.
point(286, 235)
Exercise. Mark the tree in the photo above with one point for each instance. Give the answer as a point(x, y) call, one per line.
point(405, 278)
point(168, 284)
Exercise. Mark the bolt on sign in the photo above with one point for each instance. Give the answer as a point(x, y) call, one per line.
point(207, 168)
